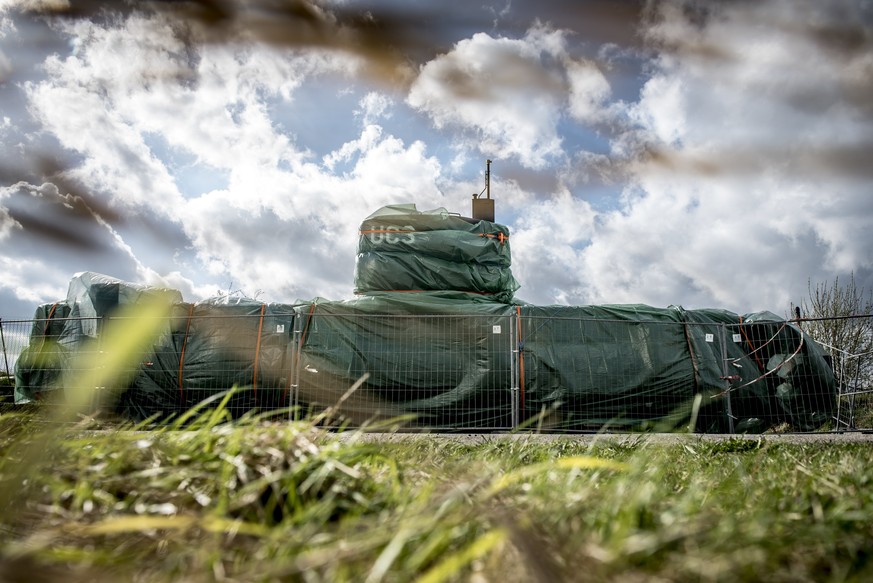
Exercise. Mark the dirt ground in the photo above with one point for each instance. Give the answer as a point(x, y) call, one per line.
point(623, 438)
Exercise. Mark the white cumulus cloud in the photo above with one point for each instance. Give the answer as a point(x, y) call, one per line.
point(500, 89)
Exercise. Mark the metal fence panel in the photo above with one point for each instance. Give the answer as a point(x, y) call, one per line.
point(15, 335)
point(591, 374)
point(516, 368)
point(441, 371)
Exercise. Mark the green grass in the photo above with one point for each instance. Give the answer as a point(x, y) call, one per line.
point(863, 411)
point(255, 501)
point(7, 388)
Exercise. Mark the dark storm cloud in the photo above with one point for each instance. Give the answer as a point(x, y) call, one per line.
point(68, 221)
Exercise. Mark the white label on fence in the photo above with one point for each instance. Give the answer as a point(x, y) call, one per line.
point(710, 338)
point(495, 329)
point(737, 338)
point(280, 328)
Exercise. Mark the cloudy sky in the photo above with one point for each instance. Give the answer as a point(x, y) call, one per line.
point(708, 154)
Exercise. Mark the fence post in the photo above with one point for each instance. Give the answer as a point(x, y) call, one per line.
point(852, 389)
point(840, 367)
point(294, 413)
point(837, 414)
point(3, 340)
point(727, 373)
point(513, 371)
point(97, 395)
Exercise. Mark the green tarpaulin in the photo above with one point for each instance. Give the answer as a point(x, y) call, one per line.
point(437, 338)
point(401, 249)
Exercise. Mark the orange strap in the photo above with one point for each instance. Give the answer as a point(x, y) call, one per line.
point(306, 327)
point(258, 350)
point(499, 236)
point(184, 344)
point(47, 320)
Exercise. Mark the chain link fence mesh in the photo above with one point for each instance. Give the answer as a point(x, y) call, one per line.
point(519, 368)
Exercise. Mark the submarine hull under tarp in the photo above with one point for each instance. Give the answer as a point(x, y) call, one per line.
point(464, 356)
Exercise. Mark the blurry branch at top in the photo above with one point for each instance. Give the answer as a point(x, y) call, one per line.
point(81, 207)
point(42, 200)
point(833, 30)
point(851, 160)
point(382, 42)
point(393, 39)
point(646, 158)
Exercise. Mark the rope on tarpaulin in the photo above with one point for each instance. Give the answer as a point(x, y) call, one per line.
point(258, 351)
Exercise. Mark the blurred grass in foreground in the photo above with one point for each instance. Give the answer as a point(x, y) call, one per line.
point(255, 501)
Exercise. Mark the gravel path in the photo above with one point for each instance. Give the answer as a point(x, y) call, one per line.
point(628, 438)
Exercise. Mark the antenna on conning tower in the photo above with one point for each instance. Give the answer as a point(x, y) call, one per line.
point(483, 208)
